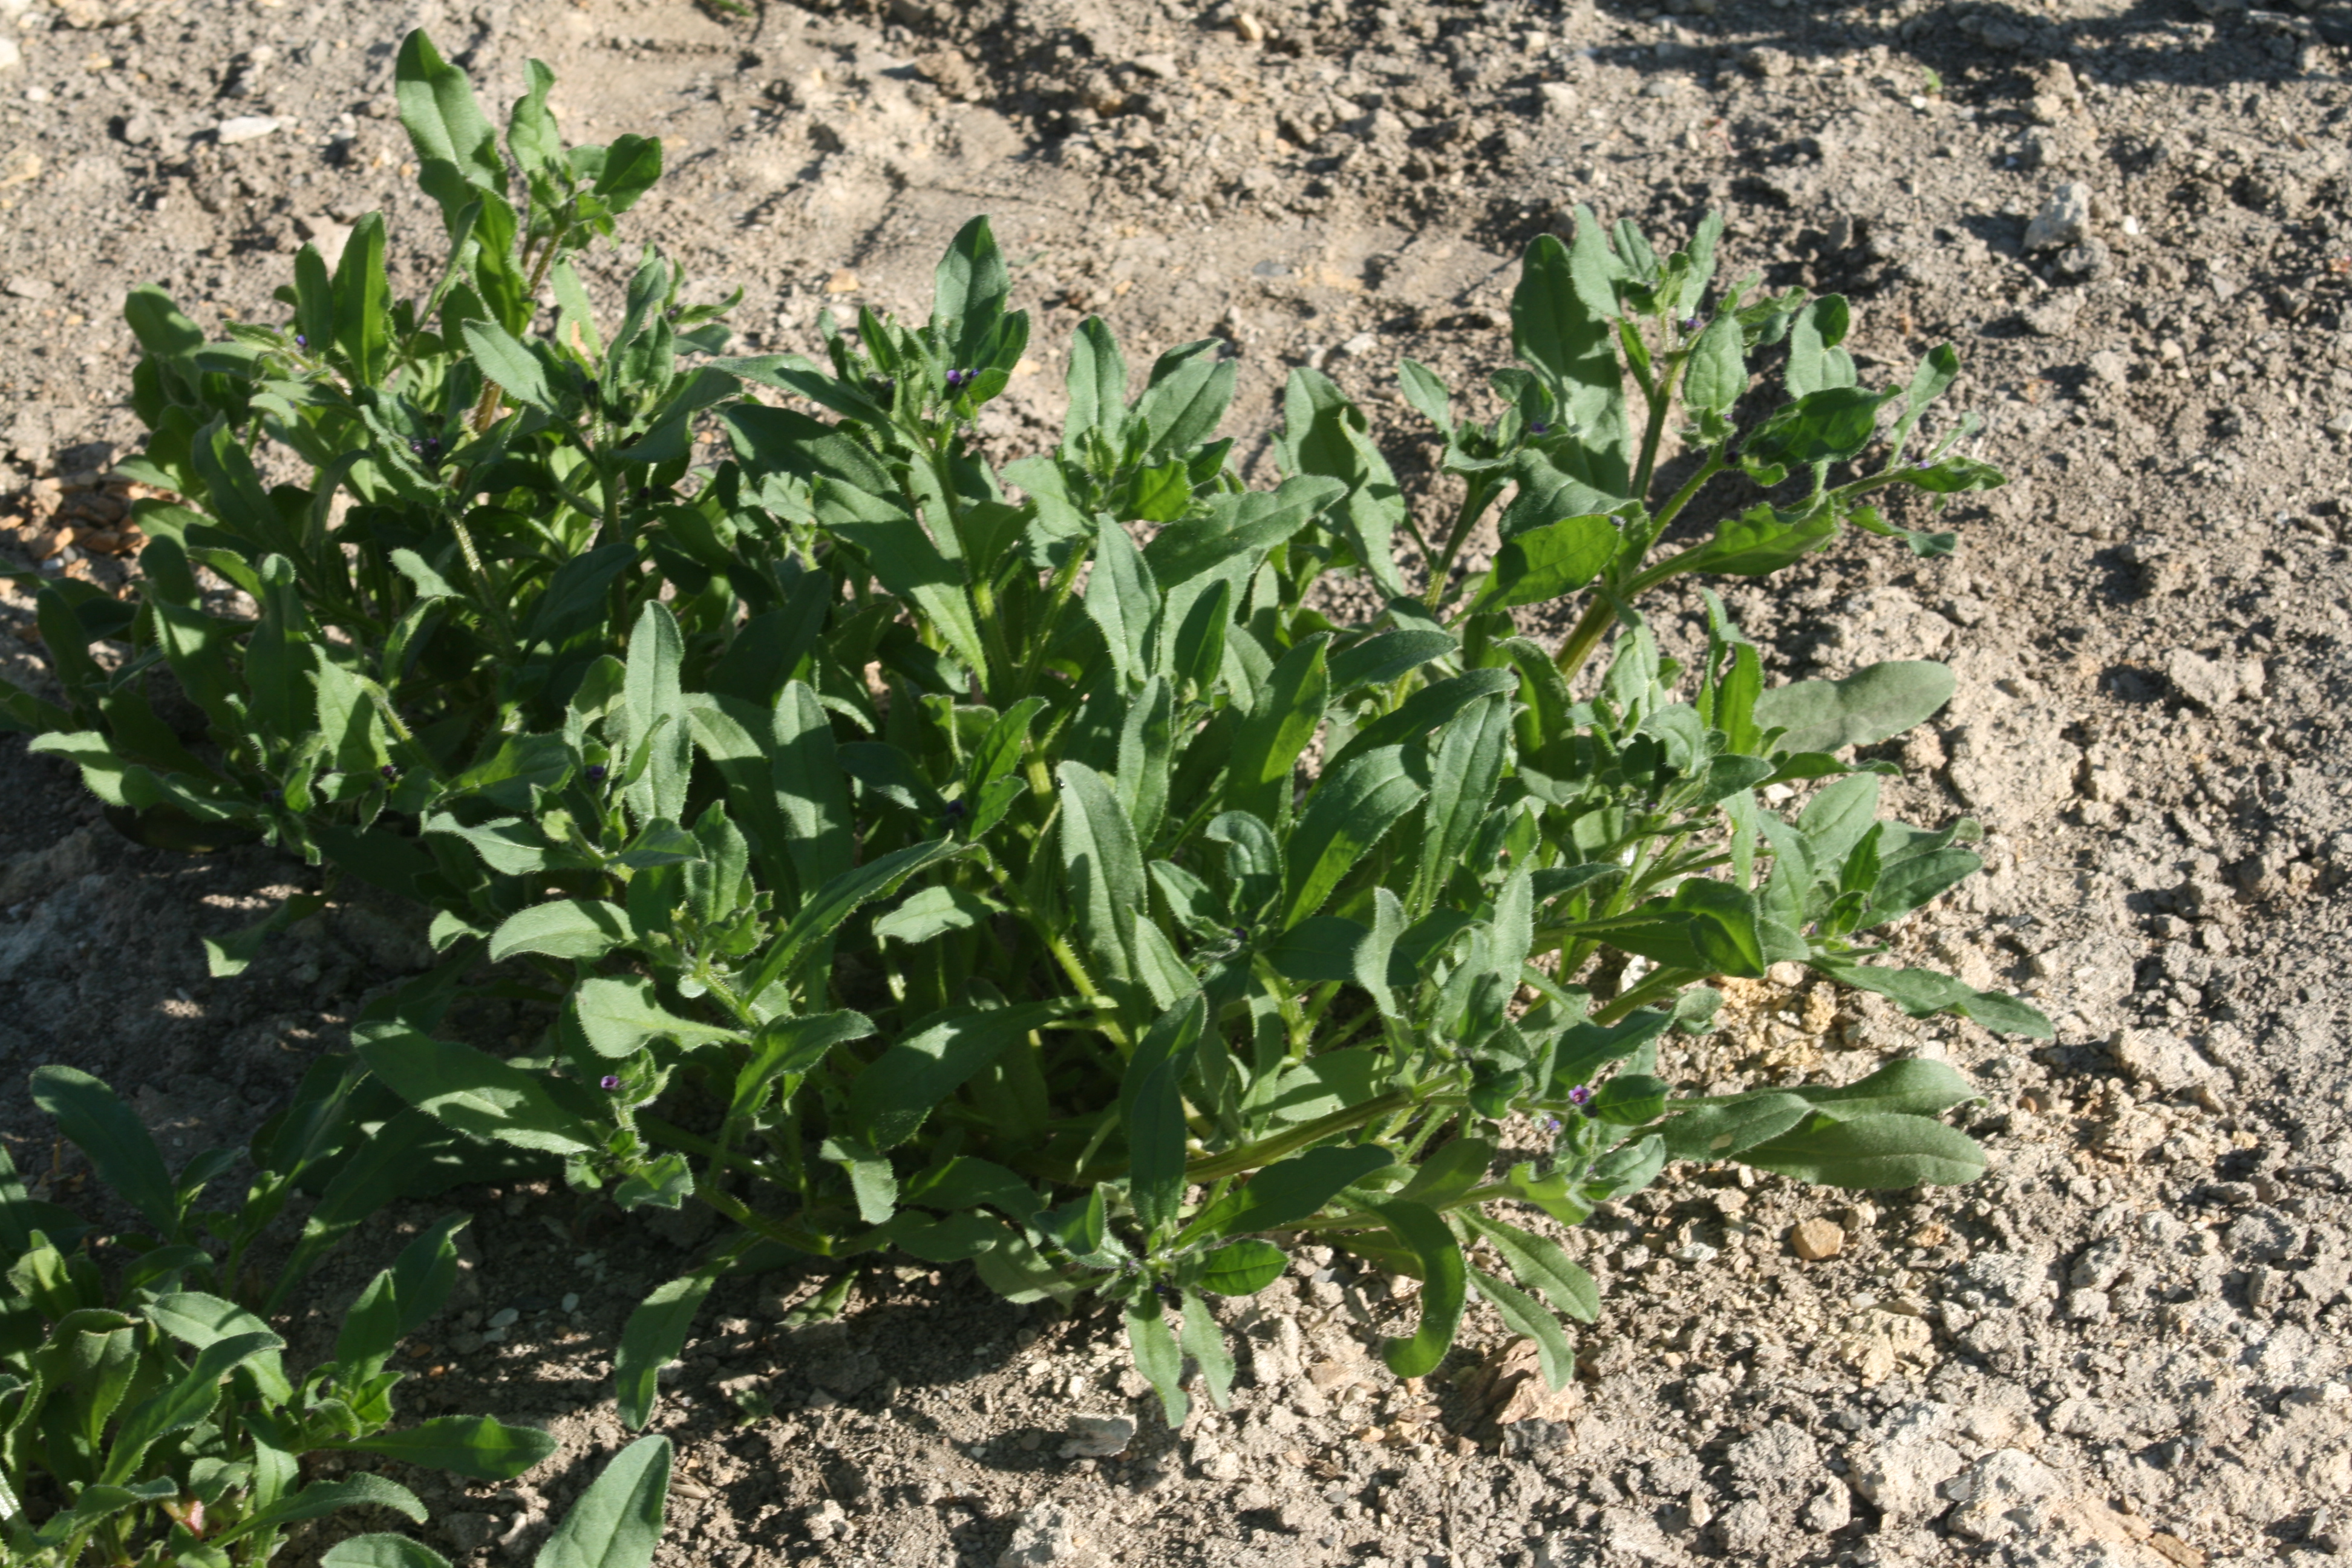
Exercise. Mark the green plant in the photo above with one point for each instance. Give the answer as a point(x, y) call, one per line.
point(482, 503)
point(155, 1421)
point(616, 1523)
point(917, 855)
point(1141, 1006)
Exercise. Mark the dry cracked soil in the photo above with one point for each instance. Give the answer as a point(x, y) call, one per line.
point(2125, 1346)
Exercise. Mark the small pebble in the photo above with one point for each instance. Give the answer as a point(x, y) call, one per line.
point(1815, 1239)
point(505, 1316)
point(571, 1300)
point(244, 128)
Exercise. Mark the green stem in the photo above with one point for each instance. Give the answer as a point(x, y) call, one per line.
point(1250, 1156)
point(1474, 504)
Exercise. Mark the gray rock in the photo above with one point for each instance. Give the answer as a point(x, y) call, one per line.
point(2213, 683)
point(2065, 221)
point(1898, 1473)
point(1831, 1512)
point(29, 287)
point(1098, 1436)
point(2159, 1059)
point(1993, 1494)
point(1043, 1532)
point(466, 1533)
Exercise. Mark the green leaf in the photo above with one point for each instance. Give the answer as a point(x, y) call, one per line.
point(1097, 388)
point(617, 1522)
point(617, 1016)
point(1157, 1355)
point(1243, 1267)
point(651, 1340)
point(181, 1403)
point(1268, 743)
point(969, 293)
point(322, 1497)
point(568, 928)
point(474, 1446)
point(1873, 1151)
point(1871, 705)
point(112, 1139)
point(1922, 993)
point(1561, 325)
point(197, 1320)
point(509, 364)
point(1429, 395)
point(1912, 1087)
point(1521, 1312)
point(1815, 361)
point(1123, 599)
point(399, 1300)
point(930, 913)
point(531, 132)
point(1723, 1130)
point(1825, 426)
point(380, 1551)
point(1630, 1100)
point(1444, 1286)
point(471, 1091)
point(1540, 1265)
point(1464, 770)
point(835, 902)
point(1717, 371)
point(1543, 563)
point(656, 709)
point(1324, 434)
point(632, 167)
point(1287, 1192)
point(1345, 817)
point(1152, 1099)
point(889, 1100)
point(1244, 523)
point(1380, 659)
point(1107, 887)
point(1205, 1343)
point(437, 108)
point(1703, 925)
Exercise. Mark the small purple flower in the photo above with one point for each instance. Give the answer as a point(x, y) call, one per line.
point(1551, 1124)
point(960, 379)
point(389, 772)
point(1690, 323)
point(609, 1082)
point(1539, 428)
point(597, 772)
point(300, 342)
point(1581, 1095)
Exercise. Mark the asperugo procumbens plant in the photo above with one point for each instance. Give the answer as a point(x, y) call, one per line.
point(1019, 866)
point(981, 903)
point(486, 503)
point(147, 1414)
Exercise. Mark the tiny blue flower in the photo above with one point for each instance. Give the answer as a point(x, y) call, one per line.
point(1690, 323)
point(300, 342)
point(597, 772)
point(1551, 1123)
point(274, 796)
point(1538, 429)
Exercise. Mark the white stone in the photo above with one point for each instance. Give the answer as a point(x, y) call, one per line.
point(1899, 1475)
point(244, 128)
point(11, 56)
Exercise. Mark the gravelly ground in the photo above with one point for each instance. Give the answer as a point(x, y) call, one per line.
point(2126, 1346)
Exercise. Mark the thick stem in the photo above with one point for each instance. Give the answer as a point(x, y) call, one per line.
point(1250, 1156)
point(1474, 504)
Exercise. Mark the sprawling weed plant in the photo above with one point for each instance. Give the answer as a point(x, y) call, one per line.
point(1020, 866)
point(147, 1414)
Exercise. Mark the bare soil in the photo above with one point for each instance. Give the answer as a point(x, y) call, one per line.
point(2126, 1346)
